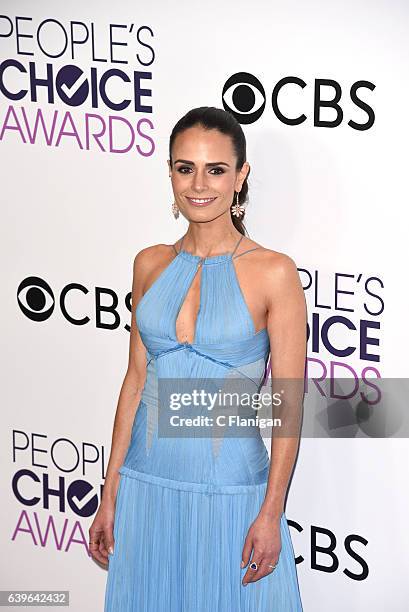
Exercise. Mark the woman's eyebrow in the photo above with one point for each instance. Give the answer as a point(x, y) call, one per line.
point(186, 161)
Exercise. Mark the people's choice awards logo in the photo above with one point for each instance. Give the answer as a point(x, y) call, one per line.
point(244, 97)
point(57, 483)
point(70, 83)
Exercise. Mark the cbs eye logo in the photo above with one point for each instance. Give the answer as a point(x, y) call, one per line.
point(244, 97)
point(36, 298)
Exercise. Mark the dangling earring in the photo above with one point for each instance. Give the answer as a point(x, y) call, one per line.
point(175, 210)
point(237, 209)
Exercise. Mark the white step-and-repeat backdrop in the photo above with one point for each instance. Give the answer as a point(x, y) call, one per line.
point(89, 93)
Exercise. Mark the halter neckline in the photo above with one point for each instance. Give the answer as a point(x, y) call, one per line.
point(213, 259)
point(204, 260)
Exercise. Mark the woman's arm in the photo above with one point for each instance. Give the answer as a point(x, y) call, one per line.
point(287, 328)
point(131, 389)
point(287, 325)
point(101, 530)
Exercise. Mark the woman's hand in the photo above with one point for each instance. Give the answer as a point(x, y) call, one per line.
point(264, 538)
point(101, 532)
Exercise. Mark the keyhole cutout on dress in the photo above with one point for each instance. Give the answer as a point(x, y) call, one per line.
point(188, 314)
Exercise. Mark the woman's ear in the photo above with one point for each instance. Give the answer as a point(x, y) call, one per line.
point(245, 169)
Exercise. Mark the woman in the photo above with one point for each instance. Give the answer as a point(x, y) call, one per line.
point(196, 522)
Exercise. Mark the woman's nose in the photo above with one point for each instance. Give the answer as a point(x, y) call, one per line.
point(199, 181)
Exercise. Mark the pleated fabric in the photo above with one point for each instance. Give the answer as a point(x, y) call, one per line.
point(185, 504)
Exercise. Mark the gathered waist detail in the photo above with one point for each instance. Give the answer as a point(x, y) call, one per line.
point(198, 487)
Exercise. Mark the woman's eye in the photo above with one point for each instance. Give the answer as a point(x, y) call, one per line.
point(217, 170)
point(220, 170)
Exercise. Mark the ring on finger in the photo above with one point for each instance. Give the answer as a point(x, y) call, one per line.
point(273, 566)
point(254, 565)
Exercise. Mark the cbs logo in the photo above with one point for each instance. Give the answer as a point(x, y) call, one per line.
point(244, 97)
point(37, 302)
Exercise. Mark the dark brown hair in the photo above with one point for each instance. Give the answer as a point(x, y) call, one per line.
point(210, 117)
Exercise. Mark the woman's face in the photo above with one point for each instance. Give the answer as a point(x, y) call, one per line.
point(204, 167)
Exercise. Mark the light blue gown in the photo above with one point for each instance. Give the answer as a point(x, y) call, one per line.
point(184, 504)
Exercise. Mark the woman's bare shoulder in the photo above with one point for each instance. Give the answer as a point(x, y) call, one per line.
point(156, 251)
point(273, 259)
point(271, 269)
point(153, 257)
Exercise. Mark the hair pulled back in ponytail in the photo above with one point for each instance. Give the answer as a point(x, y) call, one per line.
point(210, 117)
